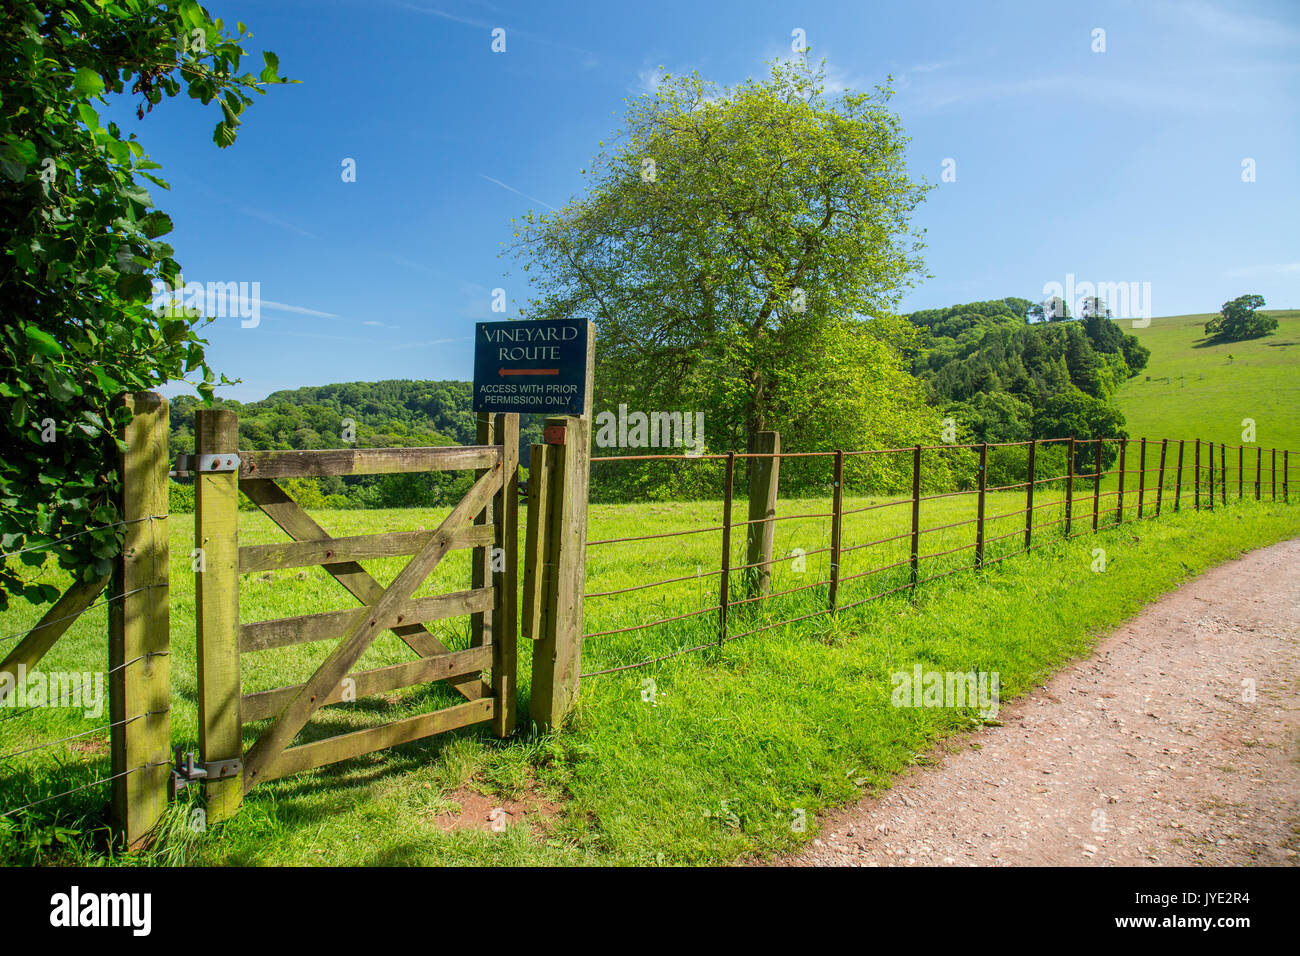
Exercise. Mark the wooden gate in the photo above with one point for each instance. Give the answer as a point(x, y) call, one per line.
point(485, 520)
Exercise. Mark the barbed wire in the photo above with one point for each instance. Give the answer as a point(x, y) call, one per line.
point(91, 607)
point(92, 730)
point(86, 786)
point(103, 527)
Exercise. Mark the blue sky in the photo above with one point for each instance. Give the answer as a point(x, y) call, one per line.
point(1115, 166)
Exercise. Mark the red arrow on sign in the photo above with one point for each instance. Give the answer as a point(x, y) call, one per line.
point(529, 371)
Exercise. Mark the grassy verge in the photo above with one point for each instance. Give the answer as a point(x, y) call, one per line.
point(712, 761)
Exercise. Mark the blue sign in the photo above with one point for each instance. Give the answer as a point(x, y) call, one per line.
point(531, 367)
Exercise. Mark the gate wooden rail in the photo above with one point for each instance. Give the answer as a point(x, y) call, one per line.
point(484, 520)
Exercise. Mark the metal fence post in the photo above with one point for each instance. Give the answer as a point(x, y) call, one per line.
point(837, 519)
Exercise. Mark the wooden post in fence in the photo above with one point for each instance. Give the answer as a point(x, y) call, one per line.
point(1259, 469)
point(1142, 475)
point(837, 520)
point(537, 587)
point(979, 505)
point(557, 646)
point(1178, 482)
point(724, 586)
point(764, 476)
point(1223, 472)
point(499, 627)
point(1160, 475)
point(1196, 477)
point(1210, 445)
point(1119, 504)
point(1029, 494)
point(1096, 486)
point(1069, 485)
point(139, 627)
point(216, 516)
point(916, 514)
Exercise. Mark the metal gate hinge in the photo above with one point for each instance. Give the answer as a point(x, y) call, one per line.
point(188, 771)
point(188, 465)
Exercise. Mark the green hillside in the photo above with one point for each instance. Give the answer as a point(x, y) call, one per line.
point(1193, 390)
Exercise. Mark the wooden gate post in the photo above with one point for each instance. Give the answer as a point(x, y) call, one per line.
point(1119, 504)
point(499, 627)
point(216, 561)
point(837, 521)
point(1029, 495)
point(1069, 486)
point(1142, 475)
point(1178, 481)
point(1160, 475)
point(557, 649)
point(764, 477)
point(724, 585)
point(1210, 445)
point(979, 505)
point(1196, 477)
point(1096, 486)
point(916, 514)
point(1223, 472)
point(138, 627)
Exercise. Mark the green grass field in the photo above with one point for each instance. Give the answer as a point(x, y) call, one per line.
point(1193, 390)
point(734, 744)
point(709, 755)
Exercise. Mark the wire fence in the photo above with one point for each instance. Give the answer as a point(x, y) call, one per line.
point(60, 693)
point(1142, 479)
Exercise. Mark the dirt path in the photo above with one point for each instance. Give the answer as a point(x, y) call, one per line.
point(1147, 753)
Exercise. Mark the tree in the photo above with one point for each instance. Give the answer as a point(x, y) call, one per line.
point(1072, 414)
point(742, 252)
point(1094, 305)
point(82, 249)
point(1240, 319)
point(1055, 309)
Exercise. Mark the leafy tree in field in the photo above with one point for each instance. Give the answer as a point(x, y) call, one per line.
point(994, 374)
point(1240, 319)
point(82, 246)
point(731, 249)
point(1073, 414)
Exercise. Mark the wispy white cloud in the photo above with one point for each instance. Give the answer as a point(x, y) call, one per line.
point(1263, 270)
point(417, 266)
point(589, 59)
point(498, 182)
point(296, 309)
point(429, 342)
point(276, 221)
point(1232, 25)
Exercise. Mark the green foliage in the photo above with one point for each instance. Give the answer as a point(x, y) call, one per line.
point(1240, 319)
point(1214, 390)
point(396, 413)
point(82, 249)
point(1003, 380)
point(730, 250)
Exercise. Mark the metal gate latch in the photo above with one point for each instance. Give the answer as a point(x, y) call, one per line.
point(187, 771)
point(188, 465)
